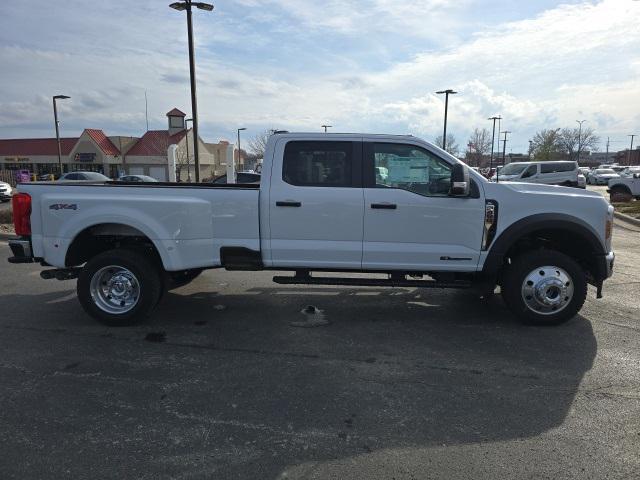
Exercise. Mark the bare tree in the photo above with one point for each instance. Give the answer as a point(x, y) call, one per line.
point(451, 146)
point(572, 140)
point(258, 143)
point(159, 144)
point(479, 146)
point(183, 162)
point(546, 145)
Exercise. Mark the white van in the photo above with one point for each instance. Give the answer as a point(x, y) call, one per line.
point(550, 173)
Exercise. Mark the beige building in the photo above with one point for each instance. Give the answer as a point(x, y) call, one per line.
point(118, 155)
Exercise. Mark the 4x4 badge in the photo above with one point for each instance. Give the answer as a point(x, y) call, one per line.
point(63, 206)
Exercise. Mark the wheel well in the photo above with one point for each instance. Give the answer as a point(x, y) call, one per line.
point(106, 236)
point(571, 243)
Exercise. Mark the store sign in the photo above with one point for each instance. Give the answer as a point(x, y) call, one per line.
point(84, 157)
point(16, 159)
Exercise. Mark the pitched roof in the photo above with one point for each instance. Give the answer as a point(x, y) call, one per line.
point(102, 141)
point(36, 146)
point(176, 113)
point(155, 143)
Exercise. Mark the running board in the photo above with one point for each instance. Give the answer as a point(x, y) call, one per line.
point(368, 282)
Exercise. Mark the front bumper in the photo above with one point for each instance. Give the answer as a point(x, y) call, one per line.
point(21, 249)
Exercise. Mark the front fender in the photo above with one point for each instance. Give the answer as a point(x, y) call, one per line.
point(544, 221)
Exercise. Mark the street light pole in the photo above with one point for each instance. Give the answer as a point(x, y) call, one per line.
point(188, 166)
point(55, 118)
point(325, 127)
point(446, 92)
point(239, 149)
point(493, 142)
point(579, 137)
point(186, 5)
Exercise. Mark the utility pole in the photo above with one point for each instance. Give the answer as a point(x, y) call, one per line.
point(530, 148)
point(446, 92)
point(325, 127)
point(504, 146)
point(146, 110)
point(606, 155)
point(493, 142)
point(580, 138)
point(630, 148)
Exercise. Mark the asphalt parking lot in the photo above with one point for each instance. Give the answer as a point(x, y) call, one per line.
point(402, 383)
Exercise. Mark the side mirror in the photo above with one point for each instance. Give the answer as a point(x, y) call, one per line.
point(460, 184)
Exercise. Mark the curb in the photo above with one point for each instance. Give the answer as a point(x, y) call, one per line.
point(627, 218)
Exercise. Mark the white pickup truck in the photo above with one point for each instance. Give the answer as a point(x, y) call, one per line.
point(626, 187)
point(384, 204)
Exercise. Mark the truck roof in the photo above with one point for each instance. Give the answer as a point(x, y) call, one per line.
point(339, 135)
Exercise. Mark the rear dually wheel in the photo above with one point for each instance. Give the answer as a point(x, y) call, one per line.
point(119, 287)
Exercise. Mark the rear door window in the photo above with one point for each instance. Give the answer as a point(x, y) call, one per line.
point(318, 164)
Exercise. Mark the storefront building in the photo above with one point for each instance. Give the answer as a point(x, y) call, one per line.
point(117, 155)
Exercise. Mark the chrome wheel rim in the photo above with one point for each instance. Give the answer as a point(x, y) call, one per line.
point(547, 290)
point(115, 289)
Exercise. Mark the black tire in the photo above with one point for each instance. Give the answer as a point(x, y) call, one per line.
point(182, 278)
point(516, 274)
point(146, 274)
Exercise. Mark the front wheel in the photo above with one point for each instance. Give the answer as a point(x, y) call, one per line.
point(544, 287)
point(119, 287)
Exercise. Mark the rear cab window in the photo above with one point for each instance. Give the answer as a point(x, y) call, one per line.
point(322, 164)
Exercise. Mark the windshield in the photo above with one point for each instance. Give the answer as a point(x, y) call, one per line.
point(513, 168)
point(604, 171)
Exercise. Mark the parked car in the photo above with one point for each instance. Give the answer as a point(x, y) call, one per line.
point(601, 176)
point(241, 177)
point(550, 173)
point(137, 178)
point(582, 181)
point(320, 208)
point(92, 176)
point(584, 171)
point(6, 192)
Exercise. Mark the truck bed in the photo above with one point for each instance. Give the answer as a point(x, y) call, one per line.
point(187, 222)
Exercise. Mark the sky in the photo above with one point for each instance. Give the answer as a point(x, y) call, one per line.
point(362, 66)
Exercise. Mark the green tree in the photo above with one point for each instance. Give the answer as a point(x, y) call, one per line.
point(546, 145)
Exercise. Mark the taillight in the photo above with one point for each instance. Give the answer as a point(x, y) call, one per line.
point(22, 213)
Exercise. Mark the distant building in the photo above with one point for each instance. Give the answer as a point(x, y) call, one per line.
point(114, 156)
point(627, 157)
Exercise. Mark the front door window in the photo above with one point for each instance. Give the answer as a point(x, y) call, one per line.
point(410, 168)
